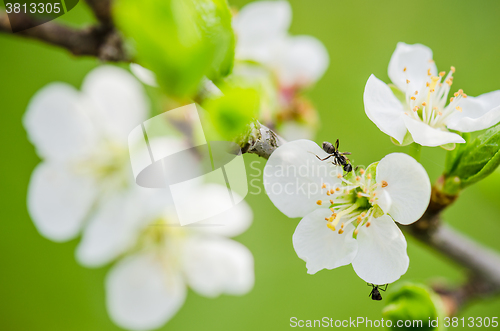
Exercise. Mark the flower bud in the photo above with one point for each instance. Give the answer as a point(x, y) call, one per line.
point(414, 307)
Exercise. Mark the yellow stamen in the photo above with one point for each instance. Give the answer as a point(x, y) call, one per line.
point(330, 226)
point(384, 183)
point(319, 202)
point(452, 69)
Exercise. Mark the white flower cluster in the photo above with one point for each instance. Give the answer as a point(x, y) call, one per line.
point(85, 185)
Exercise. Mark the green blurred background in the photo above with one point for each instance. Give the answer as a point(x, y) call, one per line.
point(43, 288)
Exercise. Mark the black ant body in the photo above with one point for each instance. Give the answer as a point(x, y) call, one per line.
point(375, 294)
point(338, 157)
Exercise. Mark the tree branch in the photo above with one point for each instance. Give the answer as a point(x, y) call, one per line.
point(260, 140)
point(101, 10)
point(481, 263)
point(101, 42)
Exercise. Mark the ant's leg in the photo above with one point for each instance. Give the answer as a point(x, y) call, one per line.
point(337, 145)
point(326, 158)
point(383, 289)
point(346, 153)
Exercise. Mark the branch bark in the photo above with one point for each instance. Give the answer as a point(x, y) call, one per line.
point(260, 140)
point(101, 10)
point(99, 41)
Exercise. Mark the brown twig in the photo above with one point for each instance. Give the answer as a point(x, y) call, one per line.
point(101, 10)
point(481, 263)
point(98, 41)
point(260, 140)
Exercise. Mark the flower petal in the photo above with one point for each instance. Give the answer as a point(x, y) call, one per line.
point(114, 227)
point(426, 135)
point(144, 75)
point(59, 201)
point(293, 177)
point(381, 257)
point(301, 61)
point(383, 199)
point(230, 223)
point(257, 25)
point(478, 113)
point(417, 59)
point(384, 109)
point(408, 185)
point(214, 266)
point(321, 247)
point(141, 294)
point(55, 125)
point(117, 101)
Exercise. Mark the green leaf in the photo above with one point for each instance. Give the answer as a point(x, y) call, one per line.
point(475, 161)
point(231, 112)
point(414, 302)
point(453, 156)
point(180, 40)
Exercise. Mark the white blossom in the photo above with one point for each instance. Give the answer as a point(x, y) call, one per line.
point(416, 107)
point(85, 184)
point(262, 35)
point(161, 258)
point(82, 137)
point(348, 218)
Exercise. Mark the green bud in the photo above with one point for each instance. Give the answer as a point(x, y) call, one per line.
point(231, 112)
point(180, 40)
point(407, 140)
point(471, 162)
point(414, 302)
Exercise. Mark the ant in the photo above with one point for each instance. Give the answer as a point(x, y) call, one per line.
point(375, 294)
point(338, 158)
